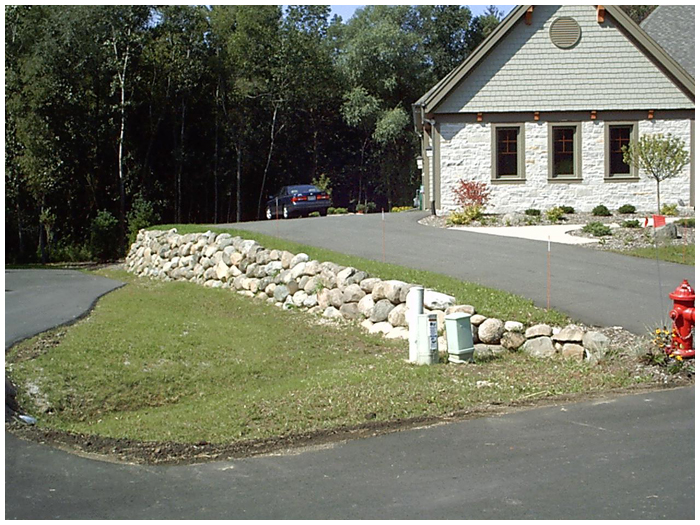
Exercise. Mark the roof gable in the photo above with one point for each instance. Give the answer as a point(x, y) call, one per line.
point(615, 65)
point(673, 28)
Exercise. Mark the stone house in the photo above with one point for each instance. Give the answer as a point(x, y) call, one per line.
point(540, 111)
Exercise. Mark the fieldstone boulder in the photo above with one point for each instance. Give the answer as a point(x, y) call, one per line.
point(353, 293)
point(491, 330)
point(573, 351)
point(461, 308)
point(390, 290)
point(477, 319)
point(539, 347)
point(381, 328)
point(299, 297)
point(350, 311)
point(298, 258)
point(324, 298)
point(539, 330)
point(514, 326)
point(570, 334)
point(397, 316)
point(286, 258)
point(485, 351)
point(344, 275)
point(368, 284)
point(595, 345)
point(398, 332)
point(281, 293)
point(436, 300)
point(313, 285)
point(668, 231)
point(513, 340)
point(366, 305)
point(380, 311)
point(336, 297)
point(332, 313)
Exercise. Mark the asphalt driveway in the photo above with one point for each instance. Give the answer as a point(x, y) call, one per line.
point(594, 287)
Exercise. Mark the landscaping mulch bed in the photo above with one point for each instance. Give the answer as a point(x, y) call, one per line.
point(622, 239)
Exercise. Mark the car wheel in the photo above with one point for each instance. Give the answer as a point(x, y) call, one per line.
point(268, 214)
point(285, 213)
point(324, 212)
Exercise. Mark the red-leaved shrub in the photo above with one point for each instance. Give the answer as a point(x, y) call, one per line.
point(469, 193)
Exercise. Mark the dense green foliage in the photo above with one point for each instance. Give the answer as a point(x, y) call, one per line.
point(198, 113)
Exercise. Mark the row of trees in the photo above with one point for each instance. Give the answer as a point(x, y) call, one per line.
point(118, 116)
point(197, 113)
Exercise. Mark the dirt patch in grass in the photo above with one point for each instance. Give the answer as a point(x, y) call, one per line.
point(169, 453)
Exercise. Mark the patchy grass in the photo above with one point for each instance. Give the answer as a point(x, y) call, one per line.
point(487, 301)
point(681, 254)
point(178, 362)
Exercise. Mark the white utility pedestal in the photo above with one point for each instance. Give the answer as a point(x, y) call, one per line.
point(427, 334)
point(460, 342)
point(414, 302)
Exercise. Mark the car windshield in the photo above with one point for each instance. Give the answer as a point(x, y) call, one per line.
point(302, 189)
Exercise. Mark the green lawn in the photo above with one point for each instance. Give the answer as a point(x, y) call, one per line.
point(675, 254)
point(180, 362)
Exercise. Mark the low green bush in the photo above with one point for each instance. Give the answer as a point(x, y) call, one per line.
point(567, 209)
point(314, 214)
point(670, 210)
point(634, 223)
point(626, 209)
point(532, 212)
point(686, 223)
point(397, 209)
point(597, 229)
point(337, 211)
point(465, 216)
point(555, 214)
point(601, 211)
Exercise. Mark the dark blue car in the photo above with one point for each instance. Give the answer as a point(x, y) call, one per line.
point(293, 201)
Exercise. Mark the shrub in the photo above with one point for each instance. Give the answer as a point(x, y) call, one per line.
point(465, 216)
point(469, 192)
point(626, 209)
point(634, 223)
point(314, 214)
point(397, 209)
point(686, 223)
point(142, 215)
point(368, 207)
point(669, 209)
point(555, 214)
point(337, 211)
point(532, 212)
point(601, 211)
point(104, 237)
point(568, 209)
point(597, 229)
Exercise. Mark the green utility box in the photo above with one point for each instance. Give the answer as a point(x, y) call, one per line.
point(460, 343)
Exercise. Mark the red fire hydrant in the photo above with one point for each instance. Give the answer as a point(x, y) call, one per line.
point(683, 316)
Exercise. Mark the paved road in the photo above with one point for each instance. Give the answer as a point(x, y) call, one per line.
point(625, 457)
point(597, 288)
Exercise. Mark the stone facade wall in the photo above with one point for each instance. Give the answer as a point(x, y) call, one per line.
point(465, 150)
point(335, 292)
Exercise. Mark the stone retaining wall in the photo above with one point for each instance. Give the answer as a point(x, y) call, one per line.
point(336, 292)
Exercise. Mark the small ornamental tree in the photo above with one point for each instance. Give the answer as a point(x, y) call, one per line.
point(472, 197)
point(660, 156)
point(470, 193)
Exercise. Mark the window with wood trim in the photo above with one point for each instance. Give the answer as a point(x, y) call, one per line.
point(508, 151)
point(565, 151)
point(617, 137)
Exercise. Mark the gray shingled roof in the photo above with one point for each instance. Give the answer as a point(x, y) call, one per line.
point(673, 27)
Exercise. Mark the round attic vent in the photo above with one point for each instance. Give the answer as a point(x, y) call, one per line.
point(565, 32)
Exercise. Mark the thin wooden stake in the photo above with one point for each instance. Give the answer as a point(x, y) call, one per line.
point(549, 266)
point(383, 238)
